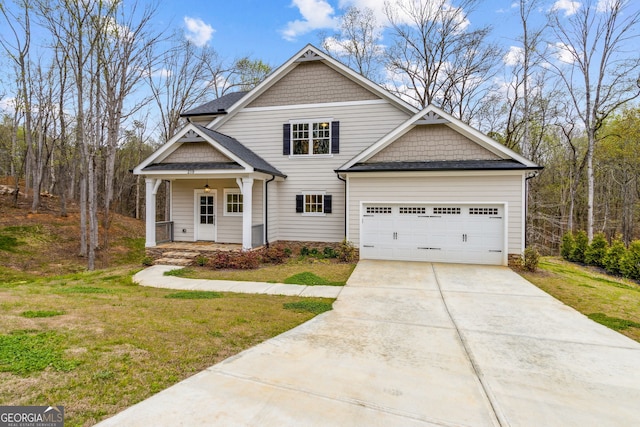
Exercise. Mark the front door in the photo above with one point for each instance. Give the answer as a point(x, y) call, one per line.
point(205, 216)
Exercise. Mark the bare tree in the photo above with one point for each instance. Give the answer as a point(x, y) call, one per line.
point(434, 57)
point(123, 58)
point(19, 52)
point(181, 80)
point(598, 74)
point(357, 42)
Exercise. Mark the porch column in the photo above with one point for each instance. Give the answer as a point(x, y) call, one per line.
point(150, 217)
point(247, 212)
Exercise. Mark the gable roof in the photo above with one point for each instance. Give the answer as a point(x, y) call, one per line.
point(306, 54)
point(215, 107)
point(433, 115)
point(227, 145)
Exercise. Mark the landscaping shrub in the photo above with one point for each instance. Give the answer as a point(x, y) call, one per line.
point(612, 259)
point(304, 251)
point(531, 259)
point(597, 250)
point(275, 254)
point(567, 246)
point(329, 252)
point(201, 261)
point(630, 261)
point(580, 247)
point(347, 252)
point(236, 260)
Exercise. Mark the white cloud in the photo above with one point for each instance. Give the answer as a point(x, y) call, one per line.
point(605, 5)
point(7, 104)
point(316, 14)
point(514, 56)
point(568, 6)
point(198, 32)
point(564, 53)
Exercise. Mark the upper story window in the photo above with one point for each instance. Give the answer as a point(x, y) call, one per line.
point(311, 138)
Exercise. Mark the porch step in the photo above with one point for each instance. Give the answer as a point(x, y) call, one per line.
point(178, 254)
point(181, 258)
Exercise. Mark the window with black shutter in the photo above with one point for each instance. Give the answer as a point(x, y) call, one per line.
point(310, 203)
point(311, 138)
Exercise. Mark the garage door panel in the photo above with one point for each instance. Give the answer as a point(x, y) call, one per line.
point(435, 233)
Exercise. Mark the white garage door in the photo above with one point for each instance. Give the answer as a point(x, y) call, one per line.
point(470, 234)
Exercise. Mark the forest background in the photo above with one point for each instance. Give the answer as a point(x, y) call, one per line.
point(103, 88)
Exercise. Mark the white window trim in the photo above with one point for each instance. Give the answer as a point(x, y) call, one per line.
point(304, 204)
point(227, 191)
point(310, 122)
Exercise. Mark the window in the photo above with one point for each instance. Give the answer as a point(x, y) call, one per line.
point(483, 211)
point(313, 203)
point(412, 210)
point(378, 209)
point(232, 202)
point(313, 137)
point(446, 211)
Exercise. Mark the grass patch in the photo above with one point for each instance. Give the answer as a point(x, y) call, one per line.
point(85, 290)
point(605, 299)
point(331, 272)
point(613, 322)
point(179, 272)
point(119, 343)
point(310, 279)
point(194, 295)
point(315, 307)
point(25, 352)
point(32, 314)
point(8, 243)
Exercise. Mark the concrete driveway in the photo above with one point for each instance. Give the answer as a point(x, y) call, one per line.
point(417, 344)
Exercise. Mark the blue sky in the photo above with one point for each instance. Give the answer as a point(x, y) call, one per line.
point(274, 30)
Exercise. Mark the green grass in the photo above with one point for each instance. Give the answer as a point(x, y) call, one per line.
point(194, 295)
point(32, 314)
point(119, 343)
point(331, 273)
point(8, 243)
point(310, 279)
point(613, 322)
point(25, 352)
point(608, 300)
point(315, 307)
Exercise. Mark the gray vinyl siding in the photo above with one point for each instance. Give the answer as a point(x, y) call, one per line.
point(229, 228)
point(442, 189)
point(261, 131)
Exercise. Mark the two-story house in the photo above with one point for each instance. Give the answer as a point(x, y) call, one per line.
point(318, 153)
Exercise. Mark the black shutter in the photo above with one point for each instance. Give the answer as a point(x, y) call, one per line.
point(335, 137)
point(286, 139)
point(299, 203)
point(327, 203)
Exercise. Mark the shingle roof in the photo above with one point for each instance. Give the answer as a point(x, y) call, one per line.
point(217, 106)
point(248, 156)
point(192, 166)
point(438, 165)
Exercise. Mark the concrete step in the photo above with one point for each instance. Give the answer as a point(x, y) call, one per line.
point(183, 262)
point(183, 254)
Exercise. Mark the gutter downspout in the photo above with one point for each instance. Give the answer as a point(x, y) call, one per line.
point(346, 204)
point(266, 210)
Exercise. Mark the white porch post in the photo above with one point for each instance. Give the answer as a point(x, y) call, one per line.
point(150, 217)
point(247, 212)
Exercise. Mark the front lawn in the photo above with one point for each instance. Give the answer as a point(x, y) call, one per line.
point(299, 271)
point(96, 343)
point(611, 301)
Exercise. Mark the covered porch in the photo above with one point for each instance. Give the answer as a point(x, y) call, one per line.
point(218, 190)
